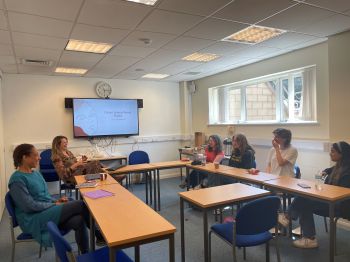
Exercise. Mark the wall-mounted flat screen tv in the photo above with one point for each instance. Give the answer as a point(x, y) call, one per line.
point(105, 117)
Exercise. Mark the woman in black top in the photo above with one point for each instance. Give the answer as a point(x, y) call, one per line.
point(242, 157)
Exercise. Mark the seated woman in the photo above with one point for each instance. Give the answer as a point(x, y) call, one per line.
point(213, 153)
point(34, 206)
point(282, 156)
point(304, 208)
point(242, 157)
point(67, 165)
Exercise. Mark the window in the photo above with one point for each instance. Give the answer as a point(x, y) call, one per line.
point(282, 97)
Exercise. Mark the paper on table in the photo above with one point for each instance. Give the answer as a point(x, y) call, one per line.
point(98, 194)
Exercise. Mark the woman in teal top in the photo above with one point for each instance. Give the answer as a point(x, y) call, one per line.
point(34, 206)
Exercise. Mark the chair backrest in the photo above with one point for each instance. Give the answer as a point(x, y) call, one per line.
point(62, 247)
point(138, 157)
point(47, 168)
point(258, 216)
point(297, 173)
point(10, 206)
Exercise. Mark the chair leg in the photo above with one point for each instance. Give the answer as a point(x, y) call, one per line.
point(325, 224)
point(276, 244)
point(40, 250)
point(234, 253)
point(335, 236)
point(209, 246)
point(267, 252)
point(244, 253)
point(13, 251)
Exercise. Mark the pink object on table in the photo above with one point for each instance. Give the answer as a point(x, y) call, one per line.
point(98, 194)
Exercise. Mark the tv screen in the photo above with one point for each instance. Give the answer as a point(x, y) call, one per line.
point(105, 117)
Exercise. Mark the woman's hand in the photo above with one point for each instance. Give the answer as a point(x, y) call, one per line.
point(61, 200)
point(77, 164)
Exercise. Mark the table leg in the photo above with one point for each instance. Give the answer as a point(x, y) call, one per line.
point(146, 179)
point(205, 235)
point(171, 248)
point(150, 187)
point(137, 253)
point(182, 220)
point(92, 234)
point(188, 178)
point(112, 253)
point(158, 184)
point(180, 168)
point(331, 232)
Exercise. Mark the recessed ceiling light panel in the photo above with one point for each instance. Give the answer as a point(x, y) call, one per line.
point(66, 70)
point(155, 76)
point(253, 35)
point(145, 2)
point(88, 46)
point(200, 57)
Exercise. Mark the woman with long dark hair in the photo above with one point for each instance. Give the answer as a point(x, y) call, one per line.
point(304, 208)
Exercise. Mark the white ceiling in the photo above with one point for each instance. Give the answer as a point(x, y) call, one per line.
point(40, 29)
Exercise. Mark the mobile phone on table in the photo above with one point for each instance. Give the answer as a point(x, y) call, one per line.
point(304, 185)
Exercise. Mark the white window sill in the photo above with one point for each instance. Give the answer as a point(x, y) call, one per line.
point(260, 123)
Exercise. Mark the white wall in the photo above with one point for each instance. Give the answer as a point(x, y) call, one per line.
point(3, 184)
point(309, 160)
point(33, 109)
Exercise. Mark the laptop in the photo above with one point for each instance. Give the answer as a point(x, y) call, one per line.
point(114, 166)
point(89, 177)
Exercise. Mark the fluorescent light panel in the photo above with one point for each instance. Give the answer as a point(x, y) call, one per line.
point(155, 76)
point(145, 2)
point(254, 34)
point(200, 57)
point(88, 46)
point(66, 70)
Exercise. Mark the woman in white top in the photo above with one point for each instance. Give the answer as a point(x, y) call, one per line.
point(282, 156)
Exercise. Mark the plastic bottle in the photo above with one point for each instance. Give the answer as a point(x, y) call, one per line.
point(318, 180)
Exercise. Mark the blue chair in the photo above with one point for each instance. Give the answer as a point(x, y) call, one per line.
point(138, 157)
point(22, 237)
point(251, 226)
point(65, 253)
point(49, 173)
point(297, 173)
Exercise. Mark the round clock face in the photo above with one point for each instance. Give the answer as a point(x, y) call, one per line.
point(103, 89)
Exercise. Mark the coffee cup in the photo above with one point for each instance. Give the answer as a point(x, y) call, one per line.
point(103, 176)
point(216, 165)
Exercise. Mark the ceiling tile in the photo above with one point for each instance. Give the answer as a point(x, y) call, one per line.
point(133, 51)
point(79, 59)
point(111, 65)
point(296, 17)
point(60, 9)
point(307, 44)
point(38, 41)
point(9, 69)
point(188, 43)
point(215, 29)
point(114, 14)
point(3, 21)
point(329, 26)
point(5, 50)
point(287, 39)
point(252, 11)
point(5, 37)
point(157, 39)
point(197, 7)
point(131, 75)
point(98, 34)
point(223, 48)
point(168, 22)
point(37, 53)
point(177, 67)
point(159, 59)
point(7, 60)
point(2, 5)
point(39, 25)
point(335, 5)
point(35, 70)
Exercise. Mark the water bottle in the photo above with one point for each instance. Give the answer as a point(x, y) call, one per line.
point(318, 180)
point(204, 159)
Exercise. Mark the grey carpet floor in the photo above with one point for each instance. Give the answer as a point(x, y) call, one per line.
point(158, 251)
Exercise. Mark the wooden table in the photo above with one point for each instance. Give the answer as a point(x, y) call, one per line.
point(146, 169)
point(109, 180)
point(243, 175)
point(214, 197)
point(329, 194)
point(125, 221)
point(164, 165)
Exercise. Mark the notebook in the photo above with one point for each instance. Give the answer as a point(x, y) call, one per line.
point(98, 194)
point(87, 184)
point(92, 176)
point(114, 167)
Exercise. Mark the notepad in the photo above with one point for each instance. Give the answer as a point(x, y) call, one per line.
point(87, 184)
point(98, 194)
